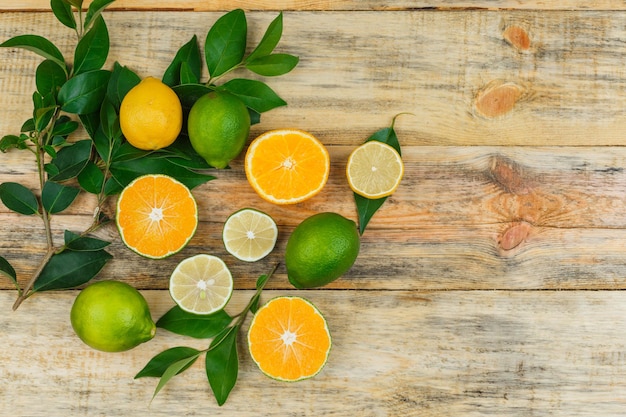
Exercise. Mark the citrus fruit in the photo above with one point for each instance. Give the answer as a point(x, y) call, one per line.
point(151, 115)
point(289, 339)
point(287, 166)
point(112, 316)
point(249, 234)
point(156, 215)
point(374, 169)
point(321, 249)
point(218, 127)
point(201, 284)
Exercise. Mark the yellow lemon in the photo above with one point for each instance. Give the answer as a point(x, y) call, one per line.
point(151, 115)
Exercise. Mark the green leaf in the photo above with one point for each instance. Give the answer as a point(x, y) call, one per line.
point(186, 74)
point(64, 127)
point(76, 3)
point(222, 364)
point(56, 197)
point(7, 269)
point(71, 160)
point(121, 82)
point(76, 242)
point(91, 178)
point(126, 171)
point(178, 321)
point(91, 122)
point(92, 49)
point(28, 126)
point(49, 78)
point(44, 107)
point(182, 153)
point(158, 365)
point(49, 149)
point(18, 198)
point(255, 94)
point(273, 65)
point(39, 45)
point(189, 53)
point(70, 269)
point(13, 141)
point(388, 136)
point(84, 93)
point(367, 207)
point(63, 12)
point(95, 9)
point(173, 370)
point(112, 187)
point(270, 39)
point(225, 43)
point(190, 93)
point(260, 282)
point(109, 121)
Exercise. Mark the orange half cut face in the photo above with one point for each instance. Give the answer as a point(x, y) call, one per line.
point(156, 216)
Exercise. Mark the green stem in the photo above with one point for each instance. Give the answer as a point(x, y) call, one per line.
point(213, 79)
point(241, 317)
point(40, 155)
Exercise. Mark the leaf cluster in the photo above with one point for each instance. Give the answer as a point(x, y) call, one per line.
point(80, 92)
point(221, 358)
point(224, 51)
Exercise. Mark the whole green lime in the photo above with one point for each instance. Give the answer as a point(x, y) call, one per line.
point(218, 127)
point(112, 316)
point(321, 249)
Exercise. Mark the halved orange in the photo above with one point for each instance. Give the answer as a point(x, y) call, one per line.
point(287, 166)
point(289, 339)
point(156, 215)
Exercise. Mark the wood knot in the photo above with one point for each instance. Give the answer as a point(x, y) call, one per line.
point(513, 236)
point(509, 175)
point(497, 98)
point(517, 37)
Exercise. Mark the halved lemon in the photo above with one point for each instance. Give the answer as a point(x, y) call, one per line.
point(249, 234)
point(374, 170)
point(201, 284)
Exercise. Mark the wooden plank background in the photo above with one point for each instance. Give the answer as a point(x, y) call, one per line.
point(491, 283)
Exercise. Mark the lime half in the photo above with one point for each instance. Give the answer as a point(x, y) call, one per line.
point(249, 234)
point(201, 284)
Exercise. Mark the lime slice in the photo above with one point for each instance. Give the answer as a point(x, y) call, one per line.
point(374, 169)
point(201, 284)
point(249, 234)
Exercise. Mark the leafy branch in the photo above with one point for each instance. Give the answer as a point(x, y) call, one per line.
point(83, 93)
point(221, 357)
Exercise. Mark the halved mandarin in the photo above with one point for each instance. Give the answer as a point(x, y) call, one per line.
point(156, 215)
point(287, 166)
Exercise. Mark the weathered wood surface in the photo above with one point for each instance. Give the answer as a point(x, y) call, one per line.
point(394, 353)
point(514, 191)
point(456, 72)
point(221, 5)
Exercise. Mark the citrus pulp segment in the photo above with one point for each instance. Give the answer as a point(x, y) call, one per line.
point(156, 215)
point(374, 169)
point(249, 234)
point(287, 166)
point(289, 339)
point(201, 284)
